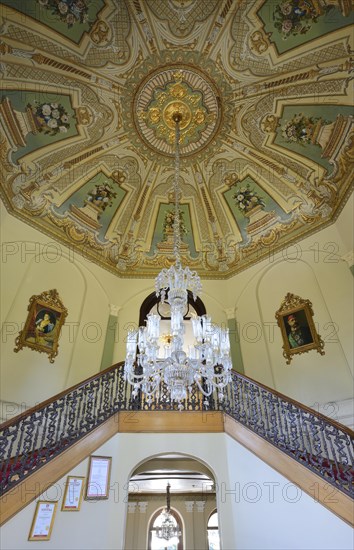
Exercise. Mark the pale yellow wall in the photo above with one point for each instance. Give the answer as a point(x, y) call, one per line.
point(345, 225)
point(32, 263)
point(312, 269)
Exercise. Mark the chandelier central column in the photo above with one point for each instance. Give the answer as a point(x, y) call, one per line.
point(207, 363)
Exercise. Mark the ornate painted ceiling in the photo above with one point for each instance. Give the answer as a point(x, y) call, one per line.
point(88, 91)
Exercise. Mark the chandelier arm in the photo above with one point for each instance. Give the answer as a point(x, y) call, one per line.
point(154, 387)
point(137, 379)
point(200, 387)
point(133, 378)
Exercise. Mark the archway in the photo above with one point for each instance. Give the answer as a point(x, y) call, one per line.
point(156, 543)
point(152, 303)
point(192, 500)
point(213, 531)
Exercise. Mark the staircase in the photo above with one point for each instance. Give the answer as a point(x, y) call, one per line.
point(40, 445)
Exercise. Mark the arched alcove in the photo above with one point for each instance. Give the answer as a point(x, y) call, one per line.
point(161, 544)
point(192, 500)
point(213, 531)
point(152, 300)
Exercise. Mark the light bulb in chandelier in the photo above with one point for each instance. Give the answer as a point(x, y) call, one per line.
point(207, 363)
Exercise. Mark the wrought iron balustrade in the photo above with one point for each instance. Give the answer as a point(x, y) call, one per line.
point(34, 437)
point(319, 443)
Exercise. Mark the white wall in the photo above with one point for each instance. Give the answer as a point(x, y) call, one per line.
point(266, 511)
point(250, 516)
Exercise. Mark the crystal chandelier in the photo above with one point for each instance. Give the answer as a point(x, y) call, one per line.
point(169, 528)
point(208, 362)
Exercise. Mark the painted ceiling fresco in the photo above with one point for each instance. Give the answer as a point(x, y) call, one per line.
point(88, 89)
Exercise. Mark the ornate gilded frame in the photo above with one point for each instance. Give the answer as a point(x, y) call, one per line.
point(43, 324)
point(302, 337)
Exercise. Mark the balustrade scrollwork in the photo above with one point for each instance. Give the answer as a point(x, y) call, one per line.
point(36, 436)
point(317, 442)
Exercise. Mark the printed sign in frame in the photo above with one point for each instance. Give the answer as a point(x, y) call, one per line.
point(73, 494)
point(99, 473)
point(43, 520)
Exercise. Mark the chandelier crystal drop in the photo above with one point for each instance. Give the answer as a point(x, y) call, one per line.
point(169, 528)
point(207, 363)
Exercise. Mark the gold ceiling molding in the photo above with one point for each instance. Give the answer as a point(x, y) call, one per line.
point(37, 27)
point(259, 41)
point(185, 47)
point(181, 17)
point(237, 94)
point(152, 94)
point(345, 164)
point(175, 90)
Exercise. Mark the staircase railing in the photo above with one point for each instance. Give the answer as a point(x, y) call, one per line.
point(316, 441)
point(36, 436)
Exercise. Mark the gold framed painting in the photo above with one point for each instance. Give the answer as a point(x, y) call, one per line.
point(99, 473)
point(46, 316)
point(295, 319)
point(73, 494)
point(43, 520)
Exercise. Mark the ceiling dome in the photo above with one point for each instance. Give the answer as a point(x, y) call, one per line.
point(265, 93)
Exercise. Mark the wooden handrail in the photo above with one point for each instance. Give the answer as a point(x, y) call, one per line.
point(43, 432)
point(172, 422)
point(299, 405)
point(56, 397)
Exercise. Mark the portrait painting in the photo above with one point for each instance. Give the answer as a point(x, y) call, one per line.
point(46, 316)
point(295, 319)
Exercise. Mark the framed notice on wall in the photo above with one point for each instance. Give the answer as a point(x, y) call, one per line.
point(73, 494)
point(43, 520)
point(98, 477)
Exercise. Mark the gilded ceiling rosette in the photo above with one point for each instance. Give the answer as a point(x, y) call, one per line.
point(190, 85)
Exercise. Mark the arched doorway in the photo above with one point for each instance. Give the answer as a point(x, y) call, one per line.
point(156, 543)
point(192, 501)
point(152, 304)
point(213, 531)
